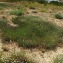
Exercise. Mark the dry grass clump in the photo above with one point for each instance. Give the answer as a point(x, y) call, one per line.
point(16, 58)
point(59, 59)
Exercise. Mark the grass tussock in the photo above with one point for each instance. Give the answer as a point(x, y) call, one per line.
point(58, 16)
point(18, 11)
point(32, 32)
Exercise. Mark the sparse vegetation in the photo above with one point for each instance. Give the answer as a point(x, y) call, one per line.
point(1, 7)
point(16, 58)
point(17, 12)
point(59, 59)
point(58, 16)
point(23, 29)
point(43, 10)
point(31, 7)
point(3, 4)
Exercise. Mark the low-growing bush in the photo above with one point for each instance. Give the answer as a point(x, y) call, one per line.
point(59, 59)
point(58, 16)
point(33, 32)
point(17, 12)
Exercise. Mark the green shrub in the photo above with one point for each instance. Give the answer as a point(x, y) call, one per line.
point(33, 32)
point(59, 59)
point(58, 16)
point(2, 4)
point(1, 7)
point(17, 12)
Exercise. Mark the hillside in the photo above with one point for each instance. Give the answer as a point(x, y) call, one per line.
point(31, 32)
